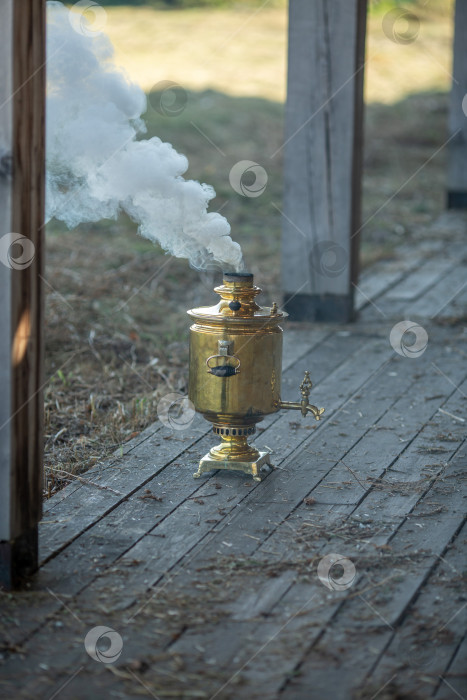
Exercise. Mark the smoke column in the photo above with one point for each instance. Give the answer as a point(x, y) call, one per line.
point(97, 167)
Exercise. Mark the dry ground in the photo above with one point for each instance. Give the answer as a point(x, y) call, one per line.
point(116, 325)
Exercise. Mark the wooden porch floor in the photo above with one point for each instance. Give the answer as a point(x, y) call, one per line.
point(213, 584)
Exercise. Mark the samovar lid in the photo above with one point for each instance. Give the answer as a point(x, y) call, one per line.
point(237, 303)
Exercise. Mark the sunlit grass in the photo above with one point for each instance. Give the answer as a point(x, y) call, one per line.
point(243, 52)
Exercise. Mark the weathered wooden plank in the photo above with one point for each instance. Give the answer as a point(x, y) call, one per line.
point(298, 342)
point(453, 683)
point(457, 148)
point(323, 608)
point(453, 313)
point(421, 279)
point(23, 158)
point(432, 303)
point(428, 305)
point(88, 504)
point(383, 277)
point(110, 463)
point(387, 275)
point(402, 453)
point(323, 150)
point(368, 621)
point(423, 647)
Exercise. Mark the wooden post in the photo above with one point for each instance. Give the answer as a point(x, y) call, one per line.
point(323, 158)
point(22, 157)
point(457, 154)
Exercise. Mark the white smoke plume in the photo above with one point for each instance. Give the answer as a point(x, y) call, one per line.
point(97, 167)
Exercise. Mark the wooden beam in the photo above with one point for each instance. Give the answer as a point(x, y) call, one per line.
point(323, 158)
point(22, 146)
point(457, 153)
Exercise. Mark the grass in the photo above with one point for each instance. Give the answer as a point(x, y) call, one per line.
point(116, 330)
point(242, 52)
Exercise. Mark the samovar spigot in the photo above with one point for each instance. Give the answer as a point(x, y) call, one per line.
point(303, 405)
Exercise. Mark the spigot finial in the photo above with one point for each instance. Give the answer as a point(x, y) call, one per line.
point(306, 386)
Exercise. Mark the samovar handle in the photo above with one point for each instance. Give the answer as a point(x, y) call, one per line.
point(224, 370)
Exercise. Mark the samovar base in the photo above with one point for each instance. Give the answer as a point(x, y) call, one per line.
point(234, 452)
point(253, 468)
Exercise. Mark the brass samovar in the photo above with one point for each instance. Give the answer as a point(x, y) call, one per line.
point(235, 373)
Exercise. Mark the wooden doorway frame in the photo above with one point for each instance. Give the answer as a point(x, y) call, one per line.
point(22, 171)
